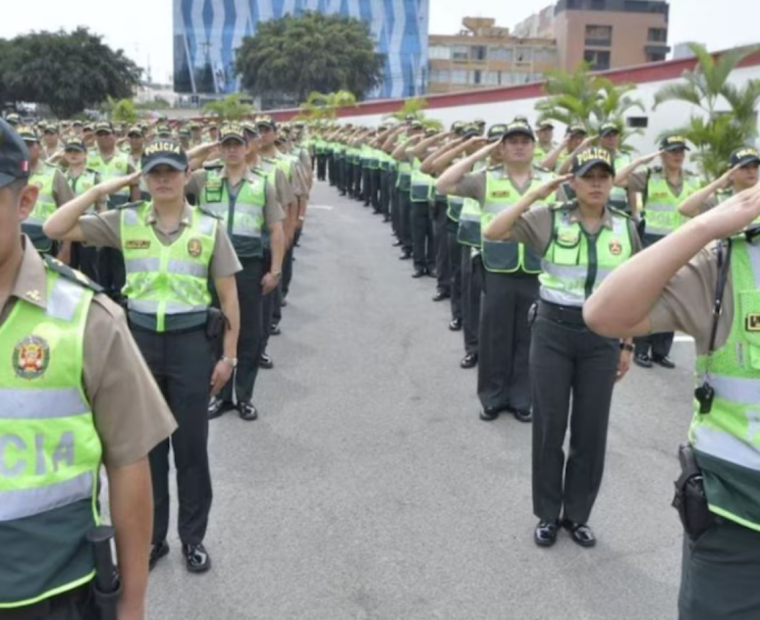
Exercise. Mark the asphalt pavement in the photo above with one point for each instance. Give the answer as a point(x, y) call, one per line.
point(369, 489)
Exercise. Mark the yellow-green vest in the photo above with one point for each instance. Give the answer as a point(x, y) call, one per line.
point(167, 282)
point(117, 166)
point(45, 206)
point(575, 263)
point(727, 440)
point(421, 184)
point(455, 204)
point(619, 195)
point(662, 216)
point(84, 183)
point(50, 451)
point(507, 256)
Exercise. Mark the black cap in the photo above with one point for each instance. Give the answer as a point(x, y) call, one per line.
point(470, 131)
point(135, 130)
point(184, 133)
point(416, 125)
point(14, 156)
point(103, 126)
point(496, 132)
point(76, 123)
point(13, 119)
point(410, 117)
point(674, 143)
point(576, 129)
point(50, 128)
point(75, 144)
point(266, 121)
point(590, 157)
point(164, 131)
point(479, 122)
point(545, 124)
point(745, 155)
point(164, 152)
point(28, 134)
point(250, 129)
point(232, 131)
point(607, 128)
point(518, 127)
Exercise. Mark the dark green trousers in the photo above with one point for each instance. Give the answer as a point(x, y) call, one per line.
point(720, 575)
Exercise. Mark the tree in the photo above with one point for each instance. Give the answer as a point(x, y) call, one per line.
point(121, 110)
point(313, 52)
point(414, 107)
point(66, 71)
point(715, 132)
point(320, 106)
point(231, 108)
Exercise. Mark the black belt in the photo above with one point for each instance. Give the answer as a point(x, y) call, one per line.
point(78, 596)
point(570, 315)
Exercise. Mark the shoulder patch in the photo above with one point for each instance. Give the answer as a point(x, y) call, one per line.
point(540, 168)
point(209, 213)
point(71, 274)
point(131, 205)
point(564, 206)
point(617, 211)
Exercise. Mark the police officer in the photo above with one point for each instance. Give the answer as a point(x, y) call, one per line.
point(576, 138)
point(545, 140)
point(662, 189)
point(710, 291)
point(75, 379)
point(171, 253)
point(582, 241)
point(50, 141)
point(247, 204)
point(511, 272)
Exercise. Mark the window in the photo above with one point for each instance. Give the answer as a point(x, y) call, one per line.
point(598, 60)
point(507, 78)
point(459, 52)
point(459, 77)
point(546, 55)
point(478, 52)
point(440, 75)
point(475, 77)
point(536, 77)
point(524, 54)
point(439, 52)
point(598, 35)
point(505, 54)
point(658, 35)
point(492, 78)
point(655, 56)
point(637, 122)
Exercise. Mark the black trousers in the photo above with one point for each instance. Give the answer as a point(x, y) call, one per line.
point(85, 259)
point(654, 345)
point(374, 189)
point(504, 340)
point(321, 166)
point(385, 193)
point(332, 169)
point(720, 573)
point(366, 185)
point(76, 604)
point(270, 306)
point(404, 219)
point(181, 364)
point(287, 271)
point(472, 296)
point(357, 180)
point(423, 247)
point(443, 267)
point(455, 251)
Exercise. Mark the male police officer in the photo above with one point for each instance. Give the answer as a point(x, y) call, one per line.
point(75, 391)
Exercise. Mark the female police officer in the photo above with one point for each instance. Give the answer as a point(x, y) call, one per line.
point(581, 242)
point(170, 251)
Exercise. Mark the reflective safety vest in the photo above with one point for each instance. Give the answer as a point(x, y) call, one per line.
point(45, 206)
point(539, 154)
point(320, 146)
point(456, 203)
point(373, 158)
point(619, 195)
point(576, 263)
point(421, 184)
point(244, 217)
point(470, 216)
point(726, 441)
point(50, 451)
point(83, 183)
point(115, 167)
point(166, 280)
point(662, 216)
point(507, 256)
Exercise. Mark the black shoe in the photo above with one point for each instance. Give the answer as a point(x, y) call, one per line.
point(217, 406)
point(455, 325)
point(431, 273)
point(197, 558)
point(265, 361)
point(386, 219)
point(274, 330)
point(283, 303)
point(397, 244)
point(664, 361)
point(469, 361)
point(247, 412)
point(545, 534)
point(156, 553)
point(643, 360)
point(405, 256)
point(419, 273)
point(489, 414)
point(521, 415)
point(441, 295)
point(580, 533)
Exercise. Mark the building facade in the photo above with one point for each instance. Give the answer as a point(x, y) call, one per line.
point(207, 33)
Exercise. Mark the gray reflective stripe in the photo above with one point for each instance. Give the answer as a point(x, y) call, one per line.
point(737, 390)
point(754, 259)
point(41, 403)
point(187, 268)
point(136, 265)
point(148, 306)
point(469, 217)
point(131, 217)
point(206, 225)
point(562, 298)
point(653, 230)
point(245, 230)
point(661, 208)
point(35, 221)
point(249, 209)
point(21, 503)
point(726, 447)
point(566, 272)
point(64, 299)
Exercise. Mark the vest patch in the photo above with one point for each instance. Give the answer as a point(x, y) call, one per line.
point(615, 247)
point(31, 357)
point(500, 193)
point(752, 322)
point(194, 247)
point(137, 244)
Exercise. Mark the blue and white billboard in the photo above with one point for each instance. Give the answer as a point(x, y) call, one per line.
point(207, 33)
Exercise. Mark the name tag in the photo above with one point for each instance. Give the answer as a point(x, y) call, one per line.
point(752, 322)
point(137, 244)
point(502, 194)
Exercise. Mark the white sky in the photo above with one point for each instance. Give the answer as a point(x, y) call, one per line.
point(144, 29)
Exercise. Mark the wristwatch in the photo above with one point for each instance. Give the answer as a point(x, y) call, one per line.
point(232, 361)
point(276, 274)
point(624, 346)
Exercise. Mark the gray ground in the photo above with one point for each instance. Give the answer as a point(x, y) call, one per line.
point(369, 489)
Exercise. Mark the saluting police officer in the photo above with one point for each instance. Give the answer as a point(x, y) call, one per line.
point(76, 388)
point(171, 253)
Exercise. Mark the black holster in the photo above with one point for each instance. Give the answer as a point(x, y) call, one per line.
point(690, 500)
point(215, 323)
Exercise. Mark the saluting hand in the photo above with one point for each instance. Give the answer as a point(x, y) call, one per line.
point(728, 177)
point(106, 188)
point(547, 189)
point(732, 215)
point(648, 158)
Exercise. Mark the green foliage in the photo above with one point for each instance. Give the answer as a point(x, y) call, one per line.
point(320, 106)
point(66, 71)
point(157, 104)
point(231, 108)
point(123, 110)
point(313, 52)
point(715, 133)
point(411, 106)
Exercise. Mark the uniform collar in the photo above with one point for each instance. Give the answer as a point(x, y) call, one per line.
point(31, 280)
point(575, 216)
point(247, 176)
point(186, 219)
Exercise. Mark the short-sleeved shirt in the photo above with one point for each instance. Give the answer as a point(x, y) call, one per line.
point(104, 230)
point(637, 182)
point(131, 415)
point(61, 191)
point(273, 213)
point(473, 185)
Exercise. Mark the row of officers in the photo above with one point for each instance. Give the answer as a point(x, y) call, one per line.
point(203, 257)
point(555, 276)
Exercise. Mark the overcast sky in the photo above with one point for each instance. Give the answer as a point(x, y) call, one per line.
point(144, 27)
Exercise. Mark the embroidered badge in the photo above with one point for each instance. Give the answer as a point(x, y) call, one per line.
point(194, 247)
point(31, 357)
point(615, 247)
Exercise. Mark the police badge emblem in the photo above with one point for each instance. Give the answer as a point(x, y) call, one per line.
point(31, 357)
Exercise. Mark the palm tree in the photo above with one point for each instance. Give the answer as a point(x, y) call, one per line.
point(231, 108)
point(319, 106)
point(413, 107)
point(714, 132)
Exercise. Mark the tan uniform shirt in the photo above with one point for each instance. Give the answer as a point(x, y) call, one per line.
point(473, 185)
point(130, 414)
point(104, 230)
point(637, 182)
point(61, 191)
point(273, 213)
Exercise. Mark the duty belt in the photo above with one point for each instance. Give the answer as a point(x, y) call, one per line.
point(569, 315)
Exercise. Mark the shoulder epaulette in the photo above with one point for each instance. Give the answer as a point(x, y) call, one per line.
point(92, 170)
point(619, 212)
point(209, 213)
point(131, 205)
point(657, 169)
point(71, 274)
point(564, 206)
point(540, 168)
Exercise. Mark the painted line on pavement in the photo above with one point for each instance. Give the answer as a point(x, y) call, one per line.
point(324, 207)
